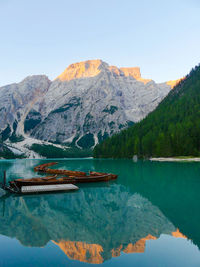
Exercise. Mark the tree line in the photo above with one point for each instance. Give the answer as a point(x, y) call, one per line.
point(172, 129)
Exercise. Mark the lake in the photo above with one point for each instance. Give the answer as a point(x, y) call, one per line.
point(149, 216)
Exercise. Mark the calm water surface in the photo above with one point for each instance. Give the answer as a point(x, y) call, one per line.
point(150, 216)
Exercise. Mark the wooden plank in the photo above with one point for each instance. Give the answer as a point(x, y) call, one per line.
point(48, 188)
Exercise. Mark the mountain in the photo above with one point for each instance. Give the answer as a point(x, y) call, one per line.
point(172, 129)
point(92, 100)
point(88, 102)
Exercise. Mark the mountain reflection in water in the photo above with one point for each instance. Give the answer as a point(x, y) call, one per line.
point(101, 221)
point(92, 225)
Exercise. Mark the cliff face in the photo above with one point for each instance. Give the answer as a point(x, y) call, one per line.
point(89, 101)
point(135, 73)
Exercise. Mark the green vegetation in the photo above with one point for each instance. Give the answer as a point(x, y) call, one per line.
point(102, 137)
point(32, 120)
point(4, 135)
point(88, 123)
point(172, 130)
point(50, 151)
point(74, 102)
point(16, 138)
point(86, 141)
point(6, 153)
point(111, 109)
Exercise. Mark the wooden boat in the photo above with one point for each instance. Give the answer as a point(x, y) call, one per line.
point(52, 180)
point(65, 172)
point(44, 168)
point(61, 180)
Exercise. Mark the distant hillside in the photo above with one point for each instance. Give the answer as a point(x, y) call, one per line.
point(172, 129)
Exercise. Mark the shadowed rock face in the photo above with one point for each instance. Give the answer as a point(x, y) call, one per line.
point(16, 101)
point(92, 225)
point(89, 101)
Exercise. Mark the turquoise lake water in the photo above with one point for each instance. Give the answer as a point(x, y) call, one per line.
point(149, 216)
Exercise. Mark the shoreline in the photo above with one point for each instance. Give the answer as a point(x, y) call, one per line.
point(171, 159)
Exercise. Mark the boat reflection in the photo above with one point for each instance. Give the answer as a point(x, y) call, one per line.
point(92, 225)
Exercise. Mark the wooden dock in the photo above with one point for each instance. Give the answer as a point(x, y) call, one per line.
point(48, 188)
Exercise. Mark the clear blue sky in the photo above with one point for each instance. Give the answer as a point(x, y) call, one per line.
point(45, 36)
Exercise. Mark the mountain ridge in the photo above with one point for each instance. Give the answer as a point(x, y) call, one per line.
point(85, 104)
point(91, 68)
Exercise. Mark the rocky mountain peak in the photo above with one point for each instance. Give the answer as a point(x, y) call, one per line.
point(35, 78)
point(91, 68)
point(35, 82)
point(84, 69)
point(134, 72)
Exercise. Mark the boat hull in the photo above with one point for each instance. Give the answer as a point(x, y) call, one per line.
point(44, 168)
point(64, 180)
